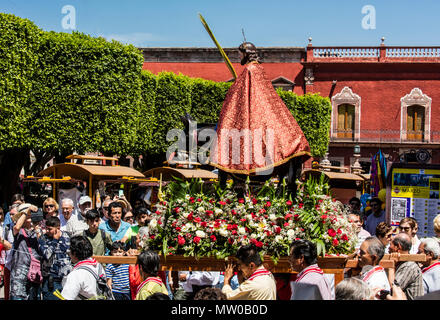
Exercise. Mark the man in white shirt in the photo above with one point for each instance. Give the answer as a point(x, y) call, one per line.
point(77, 222)
point(362, 234)
point(259, 283)
point(371, 252)
point(194, 281)
point(431, 267)
point(81, 284)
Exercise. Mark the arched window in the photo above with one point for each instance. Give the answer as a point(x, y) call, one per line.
point(415, 123)
point(415, 118)
point(345, 128)
point(346, 115)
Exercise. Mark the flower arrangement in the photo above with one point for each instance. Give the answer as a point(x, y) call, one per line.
point(196, 219)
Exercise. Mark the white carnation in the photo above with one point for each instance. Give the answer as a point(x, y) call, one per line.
point(153, 223)
point(241, 230)
point(218, 211)
point(200, 234)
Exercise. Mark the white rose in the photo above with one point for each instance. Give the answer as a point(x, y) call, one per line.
point(241, 230)
point(290, 234)
point(253, 236)
point(224, 233)
point(200, 234)
point(278, 238)
point(201, 209)
point(272, 217)
point(218, 211)
point(153, 223)
point(185, 214)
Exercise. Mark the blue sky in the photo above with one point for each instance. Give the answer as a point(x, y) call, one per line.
point(172, 23)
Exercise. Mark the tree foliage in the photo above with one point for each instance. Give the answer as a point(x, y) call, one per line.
point(19, 44)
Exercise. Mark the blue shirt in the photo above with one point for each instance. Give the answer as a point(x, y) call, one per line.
point(116, 235)
point(49, 247)
point(120, 277)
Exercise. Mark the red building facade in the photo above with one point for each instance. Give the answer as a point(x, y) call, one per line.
point(382, 97)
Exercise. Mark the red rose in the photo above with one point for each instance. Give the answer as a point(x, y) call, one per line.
point(262, 211)
point(199, 200)
point(323, 217)
point(196, 240)
point(344, 237)
point(203, 224)
point(152, 236)
point(300, 205)
point(197, 219)
point(331, 232)
point(178, 229)
point(289, 203)
point(159, 222)
point(277, 230)
point(222, 203)
point(286, 224)
point(339, 231)
point(234, 232)
point(268, 204)
point(176, 210)
point(287, 216)
point(259, 244)
point(190, 217)
point(234, 212)
point(181, 241)
point(335, 242)
point(228, 201)
point(213, 238)
point(296, 217)
point(231, 241)
point(241, 200)
point(208, 212)
point(157, 212)
point(242, 219)
point(254, 201)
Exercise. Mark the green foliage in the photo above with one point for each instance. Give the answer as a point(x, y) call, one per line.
point(19, 43)
point(173, 100)
point(87, 94)
point(313, 114)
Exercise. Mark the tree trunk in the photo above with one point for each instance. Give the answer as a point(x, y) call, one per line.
point(11, 163)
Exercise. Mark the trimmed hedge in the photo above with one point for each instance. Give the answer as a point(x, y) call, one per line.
point(19, 43)
point(87, 95)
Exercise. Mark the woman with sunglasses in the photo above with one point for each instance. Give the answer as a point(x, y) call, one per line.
point(410, 227)
point(50, 209)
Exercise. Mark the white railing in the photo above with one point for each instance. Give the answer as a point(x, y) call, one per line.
point(346, 52)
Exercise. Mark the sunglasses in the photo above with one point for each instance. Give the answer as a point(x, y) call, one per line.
point(49, 206)
point(405, 228)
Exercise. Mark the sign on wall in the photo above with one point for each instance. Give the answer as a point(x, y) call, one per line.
point(415, 193)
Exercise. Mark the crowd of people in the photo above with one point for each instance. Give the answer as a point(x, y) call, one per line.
point(48, 254)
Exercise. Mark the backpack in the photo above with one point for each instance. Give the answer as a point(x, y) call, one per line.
point(104, 292)
point(34, 274)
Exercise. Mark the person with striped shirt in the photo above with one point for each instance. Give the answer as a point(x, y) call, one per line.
point(259, 284)
point(310, 284)
point(118, 275)
point(149, 263)
point(431, 267)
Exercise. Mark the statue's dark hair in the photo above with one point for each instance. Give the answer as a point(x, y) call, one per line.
point(250, 53)
point(305, 248)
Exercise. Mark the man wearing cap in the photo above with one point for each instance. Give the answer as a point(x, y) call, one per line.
point(77, 223)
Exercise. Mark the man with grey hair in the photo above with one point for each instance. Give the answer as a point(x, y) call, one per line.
point(371, 252)
point(408, 275)
point(431, 267)
point(67, 210)
point(352, 289)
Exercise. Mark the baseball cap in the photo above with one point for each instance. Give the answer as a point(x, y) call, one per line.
point(84, 199)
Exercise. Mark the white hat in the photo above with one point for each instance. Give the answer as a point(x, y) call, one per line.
point(84, 199)
point(23, 207)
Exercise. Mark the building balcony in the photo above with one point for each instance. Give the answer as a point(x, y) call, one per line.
point(380, 53)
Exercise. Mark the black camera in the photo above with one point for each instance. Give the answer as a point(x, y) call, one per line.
point(383, 294)
point(37, 216)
